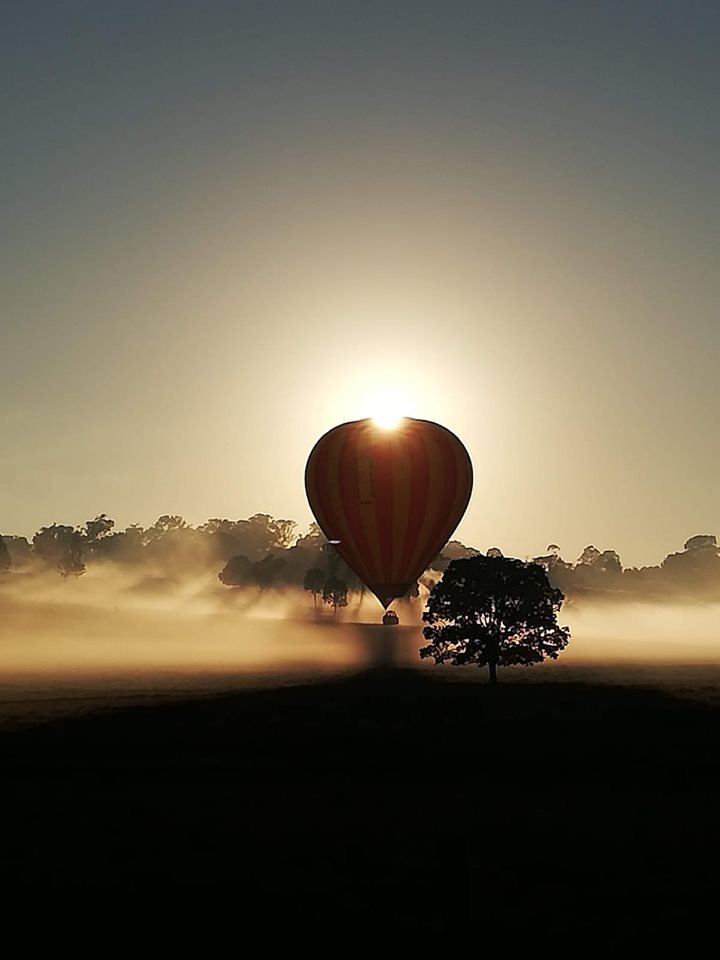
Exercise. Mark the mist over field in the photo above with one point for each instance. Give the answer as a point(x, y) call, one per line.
point(89, 615)
point(112, 633)
point(112, 621)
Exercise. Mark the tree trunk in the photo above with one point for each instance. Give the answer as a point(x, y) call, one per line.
point(492, 667)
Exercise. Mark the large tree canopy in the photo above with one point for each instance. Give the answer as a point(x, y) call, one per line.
point(493, 611)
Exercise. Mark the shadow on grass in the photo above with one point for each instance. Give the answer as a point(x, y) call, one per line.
point(359, 797)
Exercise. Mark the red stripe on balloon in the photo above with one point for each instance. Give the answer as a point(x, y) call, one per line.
point(348, 485)
point(327, 493)
point(419, 485)
point(347, 546)
point(447, 520)
point(321, 505)
point(401, 486)
point(382, 446)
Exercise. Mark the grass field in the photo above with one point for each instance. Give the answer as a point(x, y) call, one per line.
point(387, 798)
point(320, 771)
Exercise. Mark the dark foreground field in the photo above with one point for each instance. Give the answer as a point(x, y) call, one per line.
point(390, 799)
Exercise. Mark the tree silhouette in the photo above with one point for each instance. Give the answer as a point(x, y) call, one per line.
point(71, 562)
point(453, 550)
point(5, 561)
point(175, 549)
point(335, 593)
point(20, 551)
point(314, 582)
point(702, 543)
point(50, 544)
point(493, 611)
point(254, 538)
point(313, 539)
point(267, 571)
point(608, 563)
point(100, 527)
point(589, 555)
point(267, 533)
point(332, 558)
point(337, 568)
point(166, 524)
point(696, 569)
point(237, 572)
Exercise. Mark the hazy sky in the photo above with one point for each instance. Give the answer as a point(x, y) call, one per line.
point(226, 225)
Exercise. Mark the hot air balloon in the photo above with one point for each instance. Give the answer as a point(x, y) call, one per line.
point(389, 500)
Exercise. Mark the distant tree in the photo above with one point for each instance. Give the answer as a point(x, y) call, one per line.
point(216, 525)
point(20, 551)
point(284, 532)
point(560, 573)
point(219, 541)
point(254, 538)
point(337, 569)
point(332, 558)
point(589, 555)
point(493, 611)
point(703, 543)
point(97, 537)
point(335, 593)
point(608, 563)
point(50, 544)
point(646, 582)
point(100, 527)
point(313, 539)
point(237, 572)
point(168, 523)
point(269, 533)
point(71, 562)
point(314, 583)
point(453, 550)
point(126, 546)
point(495, 552)
point(695, 571)
point(176, 548)
point(594, 572)
point(266, 572)
point(5, 561)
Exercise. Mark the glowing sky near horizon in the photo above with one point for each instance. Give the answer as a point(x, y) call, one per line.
point(227, 226)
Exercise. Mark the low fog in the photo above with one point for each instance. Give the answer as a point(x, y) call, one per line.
point(110, 630)
point(110, 633)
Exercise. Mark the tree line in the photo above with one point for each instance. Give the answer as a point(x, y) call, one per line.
point(265, 553)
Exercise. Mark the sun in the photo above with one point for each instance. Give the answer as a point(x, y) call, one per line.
point(387, 409)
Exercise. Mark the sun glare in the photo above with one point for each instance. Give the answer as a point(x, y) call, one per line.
point(388, 409)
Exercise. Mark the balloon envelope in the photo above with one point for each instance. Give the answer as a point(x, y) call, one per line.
point(388, 498)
